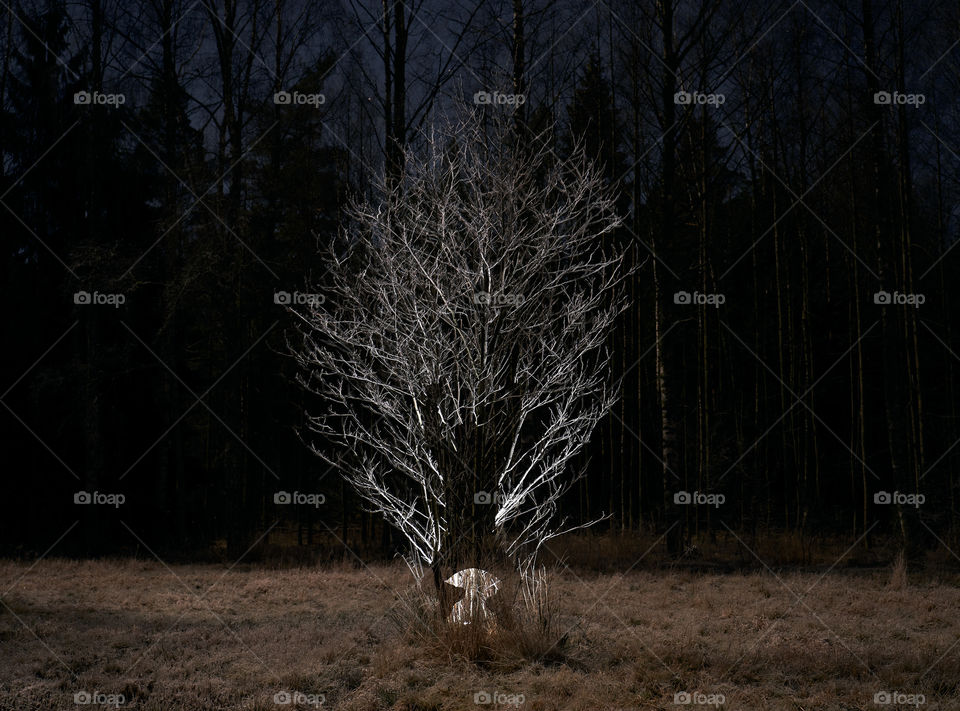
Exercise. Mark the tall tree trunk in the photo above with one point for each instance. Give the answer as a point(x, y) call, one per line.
point(670, 446)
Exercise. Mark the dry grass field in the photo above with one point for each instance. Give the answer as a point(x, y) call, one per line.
point(142, 635)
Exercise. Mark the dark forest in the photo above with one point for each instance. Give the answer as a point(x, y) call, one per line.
point(787, 181)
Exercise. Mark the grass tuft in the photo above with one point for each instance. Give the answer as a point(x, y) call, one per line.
point(523, 625)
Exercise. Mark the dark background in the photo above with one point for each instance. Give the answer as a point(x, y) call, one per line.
point(797, 198)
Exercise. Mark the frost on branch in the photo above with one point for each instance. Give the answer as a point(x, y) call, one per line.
point(459, 354)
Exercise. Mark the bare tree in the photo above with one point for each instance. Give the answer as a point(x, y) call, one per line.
point(459, 350)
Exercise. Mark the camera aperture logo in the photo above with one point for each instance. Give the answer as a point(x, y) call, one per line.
point(284, 498)
point(898, 698)
point(885, 298)
point(98, 498)
point(286, 698)
point(98, 698)
point(295, 98)
point(485, 498)
point(698, 498)
point(495, 98)
point(285, 298)
point(885, 498)
point(685, 698)
point(498, 698)
point(485, 297)
point(895, 98)
point(95, 98)
point(85, 298)
point(696, 98)
point(685, 298)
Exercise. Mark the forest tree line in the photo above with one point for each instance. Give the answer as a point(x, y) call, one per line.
point(787, 175)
